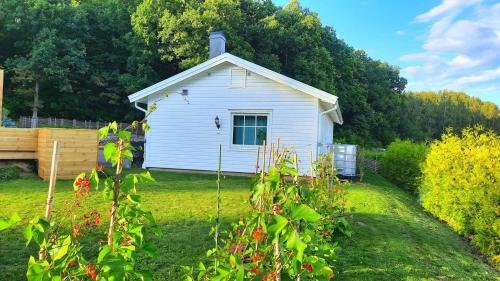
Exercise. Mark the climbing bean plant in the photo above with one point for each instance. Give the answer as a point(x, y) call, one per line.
point(62, 254)
point(292, 230)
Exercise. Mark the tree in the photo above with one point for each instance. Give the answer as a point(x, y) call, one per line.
point(52, 54)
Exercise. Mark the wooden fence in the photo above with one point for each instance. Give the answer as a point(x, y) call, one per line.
point(53, 122)
point(77, 149)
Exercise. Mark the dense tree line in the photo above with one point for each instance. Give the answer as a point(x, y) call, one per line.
point(427, 115)
point(84, 57)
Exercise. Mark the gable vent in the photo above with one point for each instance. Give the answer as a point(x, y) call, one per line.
point(238, 77)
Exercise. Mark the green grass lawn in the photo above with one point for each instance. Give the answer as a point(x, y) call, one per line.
point(393, 239)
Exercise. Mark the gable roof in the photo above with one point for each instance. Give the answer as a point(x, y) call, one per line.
point(227, 57)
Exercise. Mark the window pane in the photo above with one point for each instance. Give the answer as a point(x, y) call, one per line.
point(238, 135)
point(261, 120)
point(249, 120)
point(261, 135)
point(249, 136)
point(238, 120)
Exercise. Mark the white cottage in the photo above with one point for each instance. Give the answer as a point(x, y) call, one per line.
point(238, 104)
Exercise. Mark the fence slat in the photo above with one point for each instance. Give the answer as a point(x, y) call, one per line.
point(54, 122)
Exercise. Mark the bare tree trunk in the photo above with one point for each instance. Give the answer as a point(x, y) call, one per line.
point(34, 118)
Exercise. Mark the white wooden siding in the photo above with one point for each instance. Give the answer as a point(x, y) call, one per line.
point(184, 136)
point(326, 131)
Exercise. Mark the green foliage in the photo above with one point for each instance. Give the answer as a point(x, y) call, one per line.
point(461, 186)
point(291, 232)
point(390, 228)
point(9, 222)
point(427, 115)
point(62, 256)
point(401, 164)
point(8, 173)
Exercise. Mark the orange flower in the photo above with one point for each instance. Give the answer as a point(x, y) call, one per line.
point(99, 168)
point(76, 230)
point(91, 271)
point(276, 209)
point(71, 263)
point(256, 234)
point(255, 258)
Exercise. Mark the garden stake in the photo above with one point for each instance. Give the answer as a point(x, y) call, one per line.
point(257, 163)
point(311, 168)
point(263, 161)
point(296, 164)
point(271, 149)
point(52, 181)
point(218, 207)
point(52, 186)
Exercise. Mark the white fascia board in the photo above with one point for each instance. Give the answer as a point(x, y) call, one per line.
point(175, 79)
point(226, 57)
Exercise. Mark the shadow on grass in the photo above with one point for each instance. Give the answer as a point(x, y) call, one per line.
point(185, 243)
point(388, 247)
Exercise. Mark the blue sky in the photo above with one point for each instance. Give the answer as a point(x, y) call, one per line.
point(438, 44)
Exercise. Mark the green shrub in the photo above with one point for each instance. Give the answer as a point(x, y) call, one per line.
point(401, 164)
point(461, 186)
point(8, 173)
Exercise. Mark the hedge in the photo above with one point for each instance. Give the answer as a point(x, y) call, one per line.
point(461, 186)
point(401, 163)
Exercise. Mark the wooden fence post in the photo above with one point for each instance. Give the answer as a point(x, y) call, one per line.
point(1, 95)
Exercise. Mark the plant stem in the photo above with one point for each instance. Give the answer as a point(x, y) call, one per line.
point(217, 217)
point(116, 193)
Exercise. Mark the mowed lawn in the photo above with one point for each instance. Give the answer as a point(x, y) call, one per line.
point(393, 238)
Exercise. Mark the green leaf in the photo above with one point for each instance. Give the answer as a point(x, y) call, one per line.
point(124, 135)
point(94, 178)
point(28, 234)
point(128, 154)
point(294, 242)
point(59, 252)
point(6, 223)
point(277, 224)
point(134, 198)
point(103, 253)
point(146, 177)
point(114, 126)
point(37, 270)
point(103, 132)
point(109, 150)
point(305, 212)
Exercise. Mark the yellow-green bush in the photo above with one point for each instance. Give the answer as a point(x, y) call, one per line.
point(401, 162)
point(461, 186)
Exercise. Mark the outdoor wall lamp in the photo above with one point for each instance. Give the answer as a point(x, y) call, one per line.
point(217, 124)
point(185, 94)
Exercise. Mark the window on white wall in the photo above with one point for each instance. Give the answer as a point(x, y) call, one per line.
point(249, 129)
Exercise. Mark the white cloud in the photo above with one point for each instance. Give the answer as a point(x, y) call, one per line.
point(460, 50)
point(485, 76)
point(446, 7)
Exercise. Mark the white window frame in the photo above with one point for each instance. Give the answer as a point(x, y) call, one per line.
point(254, 112)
